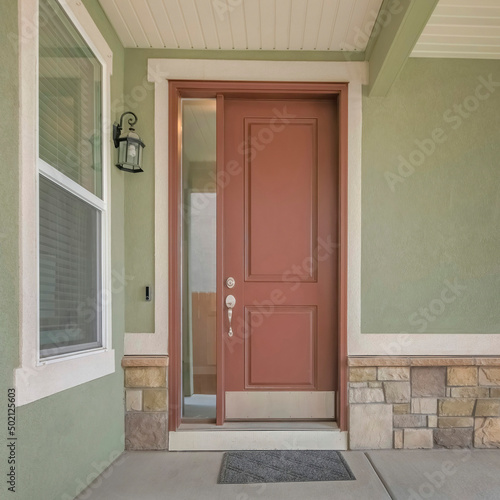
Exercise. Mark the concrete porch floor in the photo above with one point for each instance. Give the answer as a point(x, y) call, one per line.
point(380, 475)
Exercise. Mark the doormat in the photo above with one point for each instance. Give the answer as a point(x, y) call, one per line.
point(283, 466)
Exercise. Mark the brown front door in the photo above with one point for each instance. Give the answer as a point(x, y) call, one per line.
point(279, 244)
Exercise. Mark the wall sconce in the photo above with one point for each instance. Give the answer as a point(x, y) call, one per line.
point(129, 145)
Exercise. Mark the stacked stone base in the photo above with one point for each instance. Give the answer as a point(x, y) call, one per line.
point(423, 403)
point(146, 402)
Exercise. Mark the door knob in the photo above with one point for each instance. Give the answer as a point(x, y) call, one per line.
point(230, 303)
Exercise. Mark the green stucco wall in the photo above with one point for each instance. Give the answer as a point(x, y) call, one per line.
point(140, 200)
point(431, 200)
point(67, 438)
point(9, 225)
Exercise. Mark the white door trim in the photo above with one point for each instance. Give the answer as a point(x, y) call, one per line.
point(160, 71)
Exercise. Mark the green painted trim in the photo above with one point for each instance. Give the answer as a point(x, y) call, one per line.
point(376, 29)
point(256, 55)
point(402, 26)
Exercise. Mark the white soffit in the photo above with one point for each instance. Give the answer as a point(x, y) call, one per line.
point(462, 28)
point(322, 25)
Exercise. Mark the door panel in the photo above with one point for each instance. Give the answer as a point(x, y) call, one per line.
point(281, 203)
point(287, 334)
point(279, 240)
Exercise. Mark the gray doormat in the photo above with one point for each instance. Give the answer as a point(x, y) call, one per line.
point(283, 466)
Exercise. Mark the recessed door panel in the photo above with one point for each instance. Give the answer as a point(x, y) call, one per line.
point(281, 200)
point(281, 333)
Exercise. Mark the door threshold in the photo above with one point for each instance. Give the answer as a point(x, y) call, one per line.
point(263, 426)
point(258, 436)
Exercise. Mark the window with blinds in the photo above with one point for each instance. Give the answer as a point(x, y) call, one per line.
point(70, 269)
point(70, 205)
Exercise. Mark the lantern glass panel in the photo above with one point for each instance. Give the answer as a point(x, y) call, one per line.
point(139, 155)
point(122, 152)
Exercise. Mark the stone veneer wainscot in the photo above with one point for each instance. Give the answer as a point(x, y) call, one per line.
point(146, 402)
point(422, 403)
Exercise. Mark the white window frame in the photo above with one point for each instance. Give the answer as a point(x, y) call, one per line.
point(37, 378)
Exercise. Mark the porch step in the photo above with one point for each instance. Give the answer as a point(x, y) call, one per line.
point(258, 436)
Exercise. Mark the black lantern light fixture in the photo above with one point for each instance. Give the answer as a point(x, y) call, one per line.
point(129, 145)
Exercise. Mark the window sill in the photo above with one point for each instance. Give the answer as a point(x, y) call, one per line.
point(36, 382)
point(70, 355)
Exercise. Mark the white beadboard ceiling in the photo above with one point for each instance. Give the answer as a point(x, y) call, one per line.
point(462, 28)
point(323, 25)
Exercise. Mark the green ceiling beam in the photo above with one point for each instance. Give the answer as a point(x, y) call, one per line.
point(257, 55)
point(396, 31)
